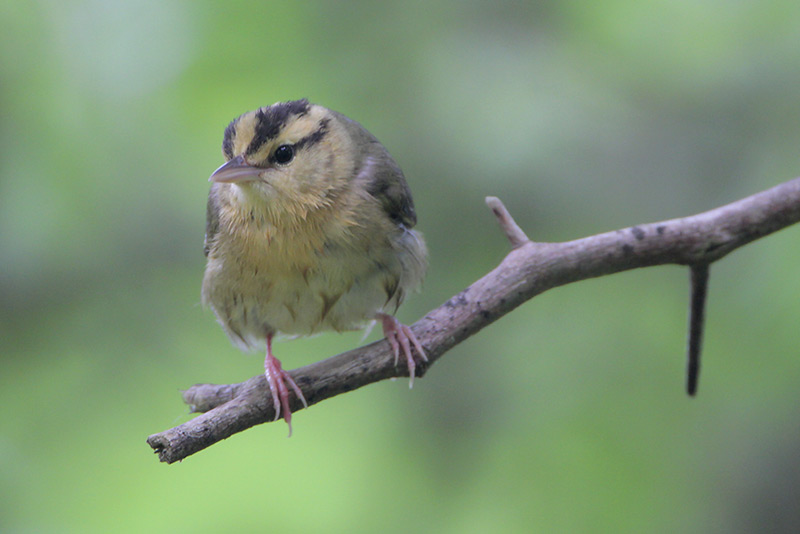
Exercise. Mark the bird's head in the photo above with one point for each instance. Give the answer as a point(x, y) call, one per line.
point(294, 153)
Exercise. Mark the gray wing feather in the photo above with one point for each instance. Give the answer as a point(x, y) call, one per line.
point(383, 177)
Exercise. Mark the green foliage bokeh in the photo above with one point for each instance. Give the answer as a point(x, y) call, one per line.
point(568, 415)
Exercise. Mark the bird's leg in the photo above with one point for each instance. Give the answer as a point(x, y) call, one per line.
point(402, 337)
point(277, 379)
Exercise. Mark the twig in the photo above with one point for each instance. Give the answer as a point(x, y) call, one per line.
point(697, 305)
point(513, 232)
point(528, 270)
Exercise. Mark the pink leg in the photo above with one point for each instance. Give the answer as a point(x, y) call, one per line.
point(277, 379)
point(401, 336)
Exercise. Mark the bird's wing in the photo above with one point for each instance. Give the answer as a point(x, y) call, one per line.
point(388, 185)
point(381, 176)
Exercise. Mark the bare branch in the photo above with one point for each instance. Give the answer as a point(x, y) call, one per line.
point(528, 270)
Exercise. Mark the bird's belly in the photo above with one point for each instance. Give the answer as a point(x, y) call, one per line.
point(252, 302)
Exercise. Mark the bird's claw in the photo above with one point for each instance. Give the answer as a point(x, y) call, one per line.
point(277, 379)
point(402, 337)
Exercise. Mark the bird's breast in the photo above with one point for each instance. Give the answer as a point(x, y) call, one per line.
point(262, 279)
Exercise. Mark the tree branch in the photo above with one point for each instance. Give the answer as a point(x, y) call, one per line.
point(528, 270)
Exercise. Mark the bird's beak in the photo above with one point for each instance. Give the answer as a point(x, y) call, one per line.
point(234, 171)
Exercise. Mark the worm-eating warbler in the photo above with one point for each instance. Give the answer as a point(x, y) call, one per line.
point(309, 228)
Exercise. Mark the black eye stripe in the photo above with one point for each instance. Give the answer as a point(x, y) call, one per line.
point(281, 156)
point(314, 137)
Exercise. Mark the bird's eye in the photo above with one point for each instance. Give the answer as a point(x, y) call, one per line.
point(284, 154)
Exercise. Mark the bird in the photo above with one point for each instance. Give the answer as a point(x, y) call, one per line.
point(309, 228)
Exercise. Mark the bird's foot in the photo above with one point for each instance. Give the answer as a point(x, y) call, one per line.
point(402, 337)
point(279, 383)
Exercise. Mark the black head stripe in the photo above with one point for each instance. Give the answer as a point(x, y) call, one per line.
point(270, 121)
point(227, 139)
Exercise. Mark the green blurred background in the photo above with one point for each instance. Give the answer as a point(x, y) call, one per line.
point(568, 415)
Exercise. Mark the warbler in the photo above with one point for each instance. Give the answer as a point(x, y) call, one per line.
point(309, 228)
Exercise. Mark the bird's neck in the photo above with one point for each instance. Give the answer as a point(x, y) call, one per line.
point(294, 231)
